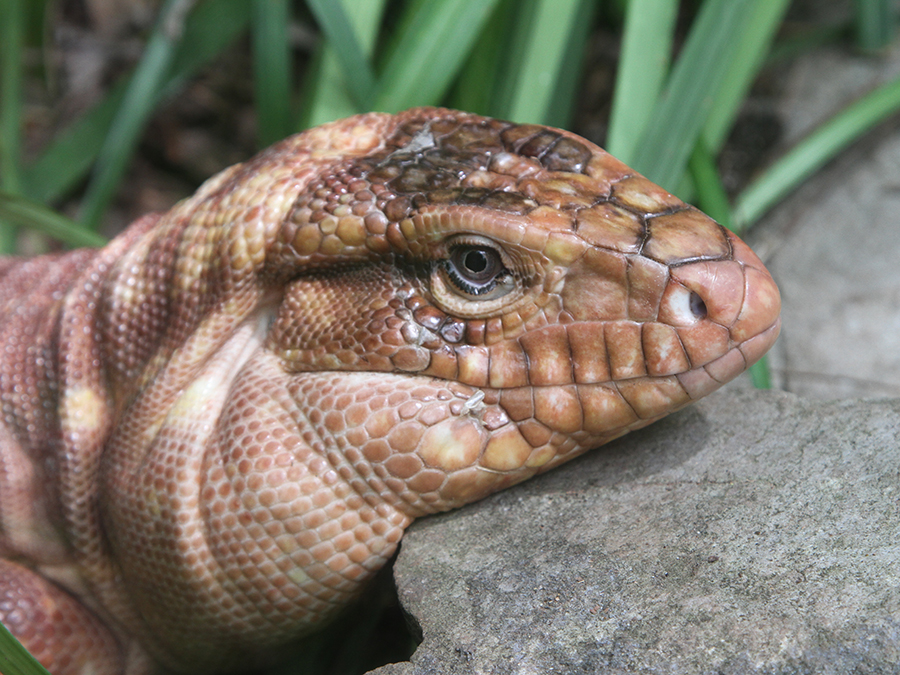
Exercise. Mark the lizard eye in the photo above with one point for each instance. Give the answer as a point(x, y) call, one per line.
point(477, 271)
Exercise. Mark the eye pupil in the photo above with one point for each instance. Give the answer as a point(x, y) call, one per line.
point(475, 270)
point(476, 264)
point(475, 261)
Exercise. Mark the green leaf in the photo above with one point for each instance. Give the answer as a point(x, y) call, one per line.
point(12, 28)
point(643, 66)
point(479, 87)
point(272, 69)
point(25, 212)
point(814, 151)
point(137, 106)
point(759, 374)
point(711, 196)
point(327, 96)
point(348, 52)
point(434, 40)
point(210, 28)
point(569, 78)
point(545, 41)
point(876, 23)
point(15, 659)
point(754, 42)
point(691, 90)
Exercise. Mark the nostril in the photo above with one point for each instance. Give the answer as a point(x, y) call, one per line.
point(698, 307)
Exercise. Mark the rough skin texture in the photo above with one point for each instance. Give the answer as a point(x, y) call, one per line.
point(217, 428)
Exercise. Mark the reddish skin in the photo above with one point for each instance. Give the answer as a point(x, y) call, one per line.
point(220, 425)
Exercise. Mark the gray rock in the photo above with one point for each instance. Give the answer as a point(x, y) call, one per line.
point(833, 246)
point(752, 533)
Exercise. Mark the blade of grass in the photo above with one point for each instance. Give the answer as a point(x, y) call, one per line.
point(534, 81)
point(137, 106)
point(434, 39)
point(643, 65)
point(754, 43)
point(24, 212)
point(358, 73)
point(212, 26)
point(497, 72)
point(814, 151)
point(511, 23)
point(689, 94)
point(479, 85)
point(271, 69)
point(12, 29)
point(760, 374)
point(710, 193)
point(565, 96)
point(326, 97)
point(15, 659)
point(876, 23)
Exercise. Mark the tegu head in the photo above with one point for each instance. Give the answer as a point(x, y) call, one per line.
point(546, 295)
point(574, 295)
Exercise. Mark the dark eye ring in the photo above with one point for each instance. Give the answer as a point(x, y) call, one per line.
point(475, 269)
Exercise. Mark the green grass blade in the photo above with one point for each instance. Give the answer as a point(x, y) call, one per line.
point(137, 106)
point(534, 81)
point(35, 216)
point(480, 83)
point(15, 659)
point(876, 23)
point(710, 193)
point(754, 43)
point(70, 156)
point(510, 24)
point(435, 38)
point(569, 78)
point(272, 69)
point(643, 66)
point(691, 90)
point(326, 96)
point(759, 374)
point(357, 71)
point(814, 151)
point(210, 28)
point(12, 29)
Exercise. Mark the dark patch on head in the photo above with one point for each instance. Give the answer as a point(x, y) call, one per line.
point(428, 161)
point(473, 138)
point(554, 151)
point(514, 137)
point(538, 144)
point(567, 155)
point(422, 178)
point(510, 202)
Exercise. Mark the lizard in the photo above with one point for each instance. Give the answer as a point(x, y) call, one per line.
point(216, 428)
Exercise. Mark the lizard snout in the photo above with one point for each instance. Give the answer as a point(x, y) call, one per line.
point(725, 313)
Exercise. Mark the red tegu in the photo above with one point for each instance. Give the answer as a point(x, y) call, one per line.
point(215, 429)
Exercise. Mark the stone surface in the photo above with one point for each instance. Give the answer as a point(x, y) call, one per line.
point(754, 532)
point(833, 246)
